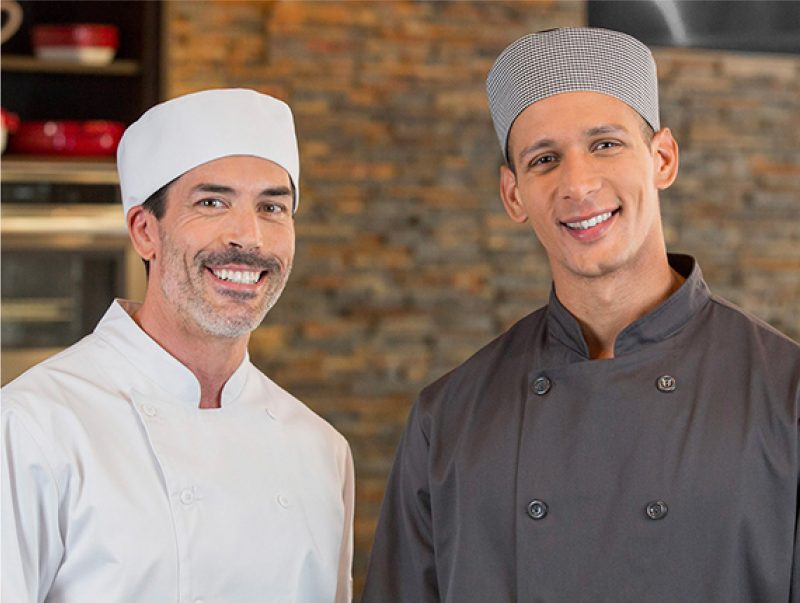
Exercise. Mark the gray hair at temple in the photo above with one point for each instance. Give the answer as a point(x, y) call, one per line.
point(573, 59)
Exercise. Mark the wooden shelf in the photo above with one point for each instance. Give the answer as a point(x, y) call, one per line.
point(22, 223)
point(38, 309)
point(72, 170)
point(29, 64)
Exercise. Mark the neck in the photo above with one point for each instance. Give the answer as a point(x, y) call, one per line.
point(604, 306)
point(211, 359)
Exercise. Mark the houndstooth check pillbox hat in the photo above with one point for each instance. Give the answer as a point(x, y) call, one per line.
point(572, 59)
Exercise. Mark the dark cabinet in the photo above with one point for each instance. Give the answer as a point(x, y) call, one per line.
point(121, 91)
point(66, 252)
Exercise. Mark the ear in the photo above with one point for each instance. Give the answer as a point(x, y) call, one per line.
point(509, 193)
point(143, 230)
point(665, 157)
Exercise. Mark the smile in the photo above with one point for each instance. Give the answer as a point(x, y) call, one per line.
point(242, 277)
point(590, 223)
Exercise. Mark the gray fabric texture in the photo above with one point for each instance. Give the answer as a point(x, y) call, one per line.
point(540, 65)
point(667, 473)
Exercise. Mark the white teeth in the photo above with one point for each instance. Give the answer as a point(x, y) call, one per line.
point(584, 224)
point(238, 276)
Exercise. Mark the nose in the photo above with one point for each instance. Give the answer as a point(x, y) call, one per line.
point(243, 229)
point(579, 177)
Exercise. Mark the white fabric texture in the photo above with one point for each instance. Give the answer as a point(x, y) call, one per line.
point(117, 487)
point(180, 134)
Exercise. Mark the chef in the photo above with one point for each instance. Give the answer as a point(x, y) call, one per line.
point(634, 440)
point(151, 461)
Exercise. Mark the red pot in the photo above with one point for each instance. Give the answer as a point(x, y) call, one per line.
point(89, 43)
point(73, 138)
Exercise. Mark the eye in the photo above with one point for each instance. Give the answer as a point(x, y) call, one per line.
point(273, 207)
point(211, 202)
point(605, 145)
point(542, 160)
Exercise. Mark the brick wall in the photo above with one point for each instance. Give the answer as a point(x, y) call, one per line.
point(406, 262)
point(736, 203)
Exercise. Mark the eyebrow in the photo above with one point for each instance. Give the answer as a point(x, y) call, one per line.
point(549, 142)
point(272, 191)
point(532, 148)
point(606, 129)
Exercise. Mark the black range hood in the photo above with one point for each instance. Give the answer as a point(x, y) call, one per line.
point(749, 25)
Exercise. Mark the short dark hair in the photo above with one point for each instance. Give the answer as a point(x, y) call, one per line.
point(156, 204)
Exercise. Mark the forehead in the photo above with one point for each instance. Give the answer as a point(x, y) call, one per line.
point(570, 112)
point(237, 171)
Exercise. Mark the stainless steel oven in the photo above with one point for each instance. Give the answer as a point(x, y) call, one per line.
point(65, 256)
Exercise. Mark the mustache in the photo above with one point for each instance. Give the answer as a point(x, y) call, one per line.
point(246, 258)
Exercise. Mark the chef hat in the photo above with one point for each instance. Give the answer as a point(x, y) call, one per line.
point(180, 134)
point(550, 62)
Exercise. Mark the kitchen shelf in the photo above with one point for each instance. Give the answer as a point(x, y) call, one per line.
point(30, 64)
point(24, 222)
point(38, 309)
point(73, 170)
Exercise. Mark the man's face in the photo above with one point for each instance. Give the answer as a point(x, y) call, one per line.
point(225, 245)
point(588, 182)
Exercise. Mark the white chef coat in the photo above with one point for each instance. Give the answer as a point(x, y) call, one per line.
point(117, 487)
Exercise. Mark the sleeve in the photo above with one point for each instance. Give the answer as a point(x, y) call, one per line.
point(344, 588)
point(31, 540)
point(402, 565)
point(795, 585)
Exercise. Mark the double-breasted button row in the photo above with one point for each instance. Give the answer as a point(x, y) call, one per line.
point(656, 510)
point(537, 509)
point(542, 384)
point(187, 496)
point(666, 384)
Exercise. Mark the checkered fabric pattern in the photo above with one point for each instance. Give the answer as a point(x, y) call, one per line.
point(542, 64)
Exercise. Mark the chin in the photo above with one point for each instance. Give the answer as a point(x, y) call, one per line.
point(229, 327)
point(595, 269)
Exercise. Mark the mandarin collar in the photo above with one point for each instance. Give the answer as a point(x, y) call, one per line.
point(158, 367)
point(659, 324)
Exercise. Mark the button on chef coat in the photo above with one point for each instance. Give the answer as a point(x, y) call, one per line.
point(117, 487)
point(531, 418)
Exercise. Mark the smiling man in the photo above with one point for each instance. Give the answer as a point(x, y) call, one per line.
point(152, 461)
point(637, 438)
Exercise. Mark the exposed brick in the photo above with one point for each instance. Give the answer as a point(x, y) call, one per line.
point(406, 261)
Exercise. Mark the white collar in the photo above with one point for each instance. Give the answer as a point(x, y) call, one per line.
point(119, 330)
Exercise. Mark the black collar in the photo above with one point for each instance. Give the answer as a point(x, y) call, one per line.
point(661, 323)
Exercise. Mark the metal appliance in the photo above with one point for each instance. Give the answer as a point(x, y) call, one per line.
point(65, 255)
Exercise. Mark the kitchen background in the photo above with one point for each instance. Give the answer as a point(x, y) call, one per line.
point(406, 262)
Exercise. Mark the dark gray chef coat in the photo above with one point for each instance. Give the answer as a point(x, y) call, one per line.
point(668, 473)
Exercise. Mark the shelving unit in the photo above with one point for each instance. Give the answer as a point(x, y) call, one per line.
point(32, 168)
point(38, 89)
point(30, 64)
point(66, 250)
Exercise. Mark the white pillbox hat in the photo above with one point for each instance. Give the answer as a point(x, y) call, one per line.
point(182, 133)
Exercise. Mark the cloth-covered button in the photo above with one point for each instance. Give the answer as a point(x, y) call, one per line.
point(150, 411)
point(537, 509)
point(666, 383)
point(656, 510)
point(187, 496)
point(541, 386)
point(283, 501)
